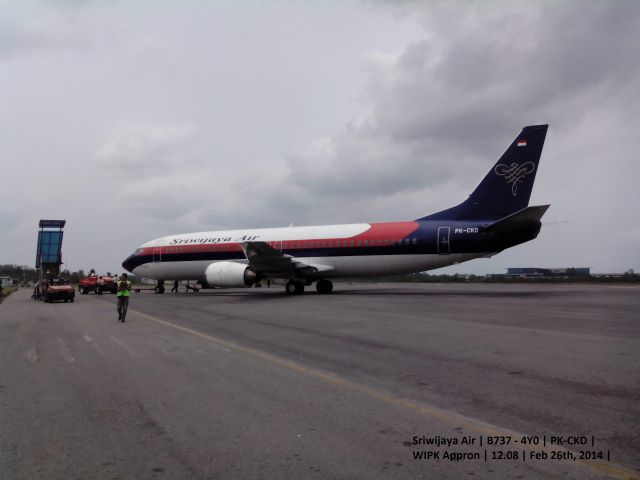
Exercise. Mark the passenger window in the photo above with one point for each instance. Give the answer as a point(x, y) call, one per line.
point(365, 243)
point(414, 241)
point(358, 243)
point(379, 242)
point(324, 244)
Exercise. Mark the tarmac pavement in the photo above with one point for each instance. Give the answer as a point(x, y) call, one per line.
point(252, 383)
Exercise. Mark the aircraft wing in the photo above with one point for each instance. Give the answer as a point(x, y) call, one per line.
point(265, 259)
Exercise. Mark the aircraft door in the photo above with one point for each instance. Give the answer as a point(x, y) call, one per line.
point(443, 241)
point(157, 251)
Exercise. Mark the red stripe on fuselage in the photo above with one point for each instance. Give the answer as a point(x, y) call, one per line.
point(388, 231)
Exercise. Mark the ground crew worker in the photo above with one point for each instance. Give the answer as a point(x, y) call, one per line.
point(175, 286)
point(123, 292)
point(100, 285)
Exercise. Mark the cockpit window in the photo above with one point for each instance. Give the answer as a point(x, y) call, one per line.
point(138, 251)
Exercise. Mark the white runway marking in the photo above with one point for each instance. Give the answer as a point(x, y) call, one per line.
point(93, 344)
point(32, 355)
point(64, 350)
point(124, 346)
point(164, 348)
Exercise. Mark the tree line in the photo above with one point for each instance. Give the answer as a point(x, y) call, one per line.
point(25, 274)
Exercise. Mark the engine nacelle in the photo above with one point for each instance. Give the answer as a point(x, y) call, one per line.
point(230, 274)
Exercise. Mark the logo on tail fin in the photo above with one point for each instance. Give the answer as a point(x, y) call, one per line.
point(514, 173)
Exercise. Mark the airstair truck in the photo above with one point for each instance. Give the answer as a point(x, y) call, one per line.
point(51, 287)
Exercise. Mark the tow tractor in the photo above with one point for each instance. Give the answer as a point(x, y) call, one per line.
point(57, 289)
point(92, 284)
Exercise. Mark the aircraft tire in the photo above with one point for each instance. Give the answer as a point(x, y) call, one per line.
point(324, 286)
point(294, 288)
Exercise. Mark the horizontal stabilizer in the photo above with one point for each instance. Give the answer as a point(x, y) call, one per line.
point(526, 215)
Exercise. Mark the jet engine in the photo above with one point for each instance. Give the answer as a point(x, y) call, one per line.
point(230, 274)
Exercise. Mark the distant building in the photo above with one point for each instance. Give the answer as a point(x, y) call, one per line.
point(7, 282)
point(535, 272)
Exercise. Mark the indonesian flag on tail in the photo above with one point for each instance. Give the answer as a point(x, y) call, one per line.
point(522, 142)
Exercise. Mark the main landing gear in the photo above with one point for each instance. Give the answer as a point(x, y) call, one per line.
point(159, 287)
point(324, 286)
point(295, 287)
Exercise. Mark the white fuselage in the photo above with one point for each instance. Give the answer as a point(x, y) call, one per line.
point(395, 248)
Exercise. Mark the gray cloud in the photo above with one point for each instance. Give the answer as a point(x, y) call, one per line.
point(438, 107)
point(183, 117)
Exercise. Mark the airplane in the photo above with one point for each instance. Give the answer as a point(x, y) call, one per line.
point(496, 216)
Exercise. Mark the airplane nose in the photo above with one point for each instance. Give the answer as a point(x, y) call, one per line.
point(130, 263)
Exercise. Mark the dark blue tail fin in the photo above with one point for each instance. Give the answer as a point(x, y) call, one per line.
point(507, 187)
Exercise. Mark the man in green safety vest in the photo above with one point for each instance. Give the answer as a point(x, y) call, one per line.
point(123, 291)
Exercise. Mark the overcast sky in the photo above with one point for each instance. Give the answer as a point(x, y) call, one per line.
point(137, 119)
